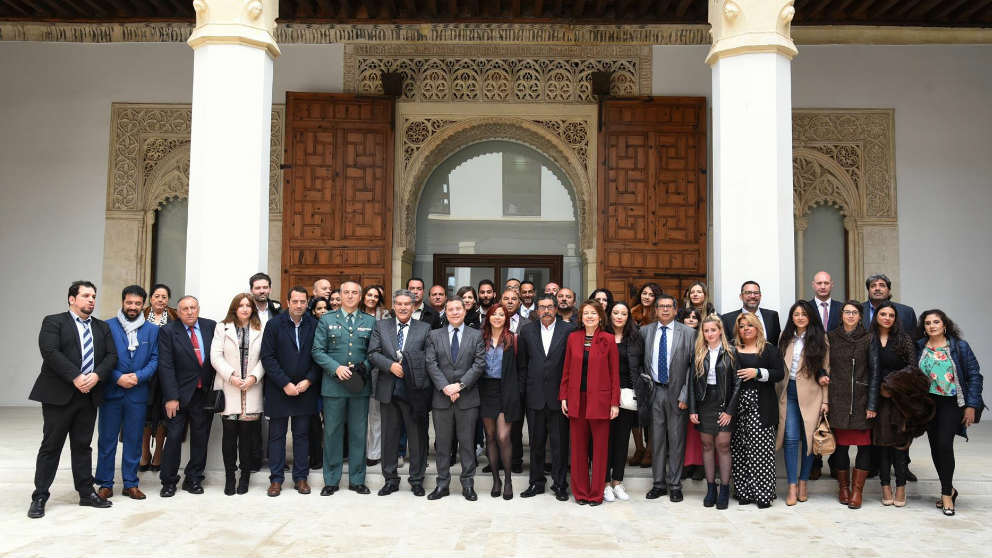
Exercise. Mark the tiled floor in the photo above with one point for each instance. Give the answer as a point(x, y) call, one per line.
point(347, 524)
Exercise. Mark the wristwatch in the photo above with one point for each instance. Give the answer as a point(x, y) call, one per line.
point(461, 386)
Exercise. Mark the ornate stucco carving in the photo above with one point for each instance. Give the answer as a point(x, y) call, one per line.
point(504, 73)
point(742, 26)
point(245, 22)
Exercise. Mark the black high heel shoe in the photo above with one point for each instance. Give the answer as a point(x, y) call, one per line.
point(949, 511)
point(497, 488)
point(508, 489)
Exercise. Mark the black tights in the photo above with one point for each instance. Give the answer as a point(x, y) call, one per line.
point(498, 446)
point(710, 454)
point(237, 444)
point(941, 431)
point(889, 456)
point(842, 461)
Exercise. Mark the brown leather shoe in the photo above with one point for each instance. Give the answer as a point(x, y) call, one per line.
point(133, 493)
point(843, 493)
point(303, 487)
point(275, 489)
point(105, 493)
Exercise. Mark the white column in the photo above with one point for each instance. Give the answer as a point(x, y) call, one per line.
point(228, 230)
point(752, 150)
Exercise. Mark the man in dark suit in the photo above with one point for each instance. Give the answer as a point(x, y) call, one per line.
point(78, 357)
point(668, 356)
point(125, 399)
point(751, 299)
point(260, 285)
point(404, 390)
point(186, 377)
point(880, 289)
point(456, 359)
point(828, 309)
point(540, 358)
point(421, 311)
point(290, 395)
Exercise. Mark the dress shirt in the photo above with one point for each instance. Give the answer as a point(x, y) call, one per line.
point(461, 333)
point(418, 312)
point(526, 310)
point(296, 330)
point(494, 361)
point(406, 332)
point(657, 346)
point(821, 307)
point(514, 323)
point(81, 329)
point(263, 315)
point(711, 374)
point(547, 334)
point(195, 330)
point(799, 341)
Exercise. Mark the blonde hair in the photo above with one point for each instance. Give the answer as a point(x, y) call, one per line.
point(702, 348)
point(752, 320)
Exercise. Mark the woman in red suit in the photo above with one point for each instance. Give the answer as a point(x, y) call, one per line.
point(590, 398)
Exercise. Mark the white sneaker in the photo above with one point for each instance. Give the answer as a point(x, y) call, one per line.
point(620, 493)
point(608, 494)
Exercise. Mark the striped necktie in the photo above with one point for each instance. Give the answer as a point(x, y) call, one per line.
point(87, 366)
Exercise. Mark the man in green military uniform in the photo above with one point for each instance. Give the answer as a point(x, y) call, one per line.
point(339, 345)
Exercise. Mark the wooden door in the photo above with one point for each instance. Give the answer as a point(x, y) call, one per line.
point(338, 205)
point(652, 194)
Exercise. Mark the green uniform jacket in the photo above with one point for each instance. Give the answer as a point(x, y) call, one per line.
point(335, 344)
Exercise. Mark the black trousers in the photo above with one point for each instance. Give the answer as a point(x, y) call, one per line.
point(76, 421)
point(199, 435)
point(543, 424)
point(620, 428)
point(940, 432)
point(316, 440)
point(840, 460)
point(517, 443)
point(394, 416)
point(237, 444)
point(277, 447)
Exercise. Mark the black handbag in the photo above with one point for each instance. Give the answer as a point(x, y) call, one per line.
point(215, 401)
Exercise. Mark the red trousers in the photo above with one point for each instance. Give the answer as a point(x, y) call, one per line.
point(580, 431)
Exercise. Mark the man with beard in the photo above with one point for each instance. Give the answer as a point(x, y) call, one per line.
point(527, 294)
point(261, 286)
point(487, 296)
point(421, 311)
point(552, 288)
point(437, 297)
point(125, 398)
point(566, 305)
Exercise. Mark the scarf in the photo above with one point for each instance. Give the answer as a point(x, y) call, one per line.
point(131, 328)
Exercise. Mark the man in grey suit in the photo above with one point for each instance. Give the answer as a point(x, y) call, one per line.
point(668, 356)
point(397, 350)
point(456, 359)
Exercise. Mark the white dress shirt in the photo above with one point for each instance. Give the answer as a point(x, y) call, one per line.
point(798, 342)
point(711, 374)
point(547, 333)
point(514, 323)
point(526, 310)
point(406, 332)
point(657, 346)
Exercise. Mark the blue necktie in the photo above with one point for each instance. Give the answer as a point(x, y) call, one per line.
point(87, 366)
point(663, 357)
point(399, 337)
point(454, 346)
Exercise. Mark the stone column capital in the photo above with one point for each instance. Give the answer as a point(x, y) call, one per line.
point(745, 26)
point(244, 22)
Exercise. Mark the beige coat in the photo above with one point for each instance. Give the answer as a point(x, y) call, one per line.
point(225, 356)
point(811, 396)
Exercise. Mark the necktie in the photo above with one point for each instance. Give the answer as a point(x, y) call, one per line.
point(454, 346)
point(296, 330)
point(826, 313)
point(351, 320)
point(399, 337)
point(87, 366)
point(663, 356)
point(199, 353)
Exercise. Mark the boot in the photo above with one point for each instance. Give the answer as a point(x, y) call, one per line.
point(229, 483)
point(723, 499)
point(843, 493)
point(243, 482)
point(710, 498)
point(146, 454)
point(638, 449)
point(858, 487)
point(156, 462)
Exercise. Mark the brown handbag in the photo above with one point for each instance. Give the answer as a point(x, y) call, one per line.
point(824, 442)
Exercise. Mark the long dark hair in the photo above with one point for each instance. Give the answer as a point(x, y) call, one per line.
point(687, 312)
point(894, 331)
point(655, 289)
point(629, 328)
point(815, 343)
point(609, 298)
point(951, 328)
point(507, 339)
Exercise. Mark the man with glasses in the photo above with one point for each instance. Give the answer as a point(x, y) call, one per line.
point(668, 356)
point(751, 300)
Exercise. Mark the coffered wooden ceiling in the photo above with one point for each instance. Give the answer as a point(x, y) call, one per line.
point(954, 13)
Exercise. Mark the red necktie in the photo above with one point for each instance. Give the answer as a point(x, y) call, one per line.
point(199, 355)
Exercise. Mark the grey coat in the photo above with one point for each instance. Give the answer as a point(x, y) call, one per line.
point(382, 355)
point(680, 364)
point(468, 368)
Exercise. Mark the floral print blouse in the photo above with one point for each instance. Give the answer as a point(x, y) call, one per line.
point(939, 367)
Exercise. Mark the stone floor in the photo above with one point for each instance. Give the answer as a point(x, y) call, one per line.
point(347, 524)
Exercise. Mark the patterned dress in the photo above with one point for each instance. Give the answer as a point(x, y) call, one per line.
point(752, 445)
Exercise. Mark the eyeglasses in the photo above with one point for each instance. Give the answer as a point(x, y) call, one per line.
point(750, 293)
point(665, 306)
point(851, 312)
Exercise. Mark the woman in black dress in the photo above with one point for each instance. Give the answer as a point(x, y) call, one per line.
point(499, 392)
point(630, 348)
point(759, 368)
point(713, 393)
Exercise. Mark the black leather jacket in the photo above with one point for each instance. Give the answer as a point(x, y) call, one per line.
point(728, 384)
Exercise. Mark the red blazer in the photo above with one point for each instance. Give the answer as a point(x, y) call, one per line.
point(602, 378)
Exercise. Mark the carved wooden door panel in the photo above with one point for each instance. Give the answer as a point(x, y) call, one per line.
point(652, 194)
point(338, 194)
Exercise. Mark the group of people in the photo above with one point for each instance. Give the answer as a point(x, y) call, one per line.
point(352, 378)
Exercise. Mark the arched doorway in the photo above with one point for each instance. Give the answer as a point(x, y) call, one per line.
point(497, 209)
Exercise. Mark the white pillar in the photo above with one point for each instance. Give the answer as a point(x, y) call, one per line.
point(752, 151)
point(228, 230)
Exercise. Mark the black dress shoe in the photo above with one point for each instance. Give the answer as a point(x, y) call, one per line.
point(328, 490)
point(547, 468)
point(388, 489)
point(698, 473)
point(561, 494)
point(676, 495)
point(532, 490)
point(438, 493)
point(193, 487)
point(316, 465)
point(595, 502)
point(517, 468)
point(764, 505)
point(910, 476)
point(143, 468)
point(656, 493)
point(487, 469)
point(469, 493)
point(582, 502)
point(359, 488)
point(371, 462)
point(168, 491)
point(418, 490)
point(37, 508)
point(94, 500)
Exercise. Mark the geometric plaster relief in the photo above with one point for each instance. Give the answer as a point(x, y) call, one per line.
point(501, 74)
point(846, 159)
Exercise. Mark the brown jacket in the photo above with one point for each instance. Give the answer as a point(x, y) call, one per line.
point(851, 395)
point(811, 396)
